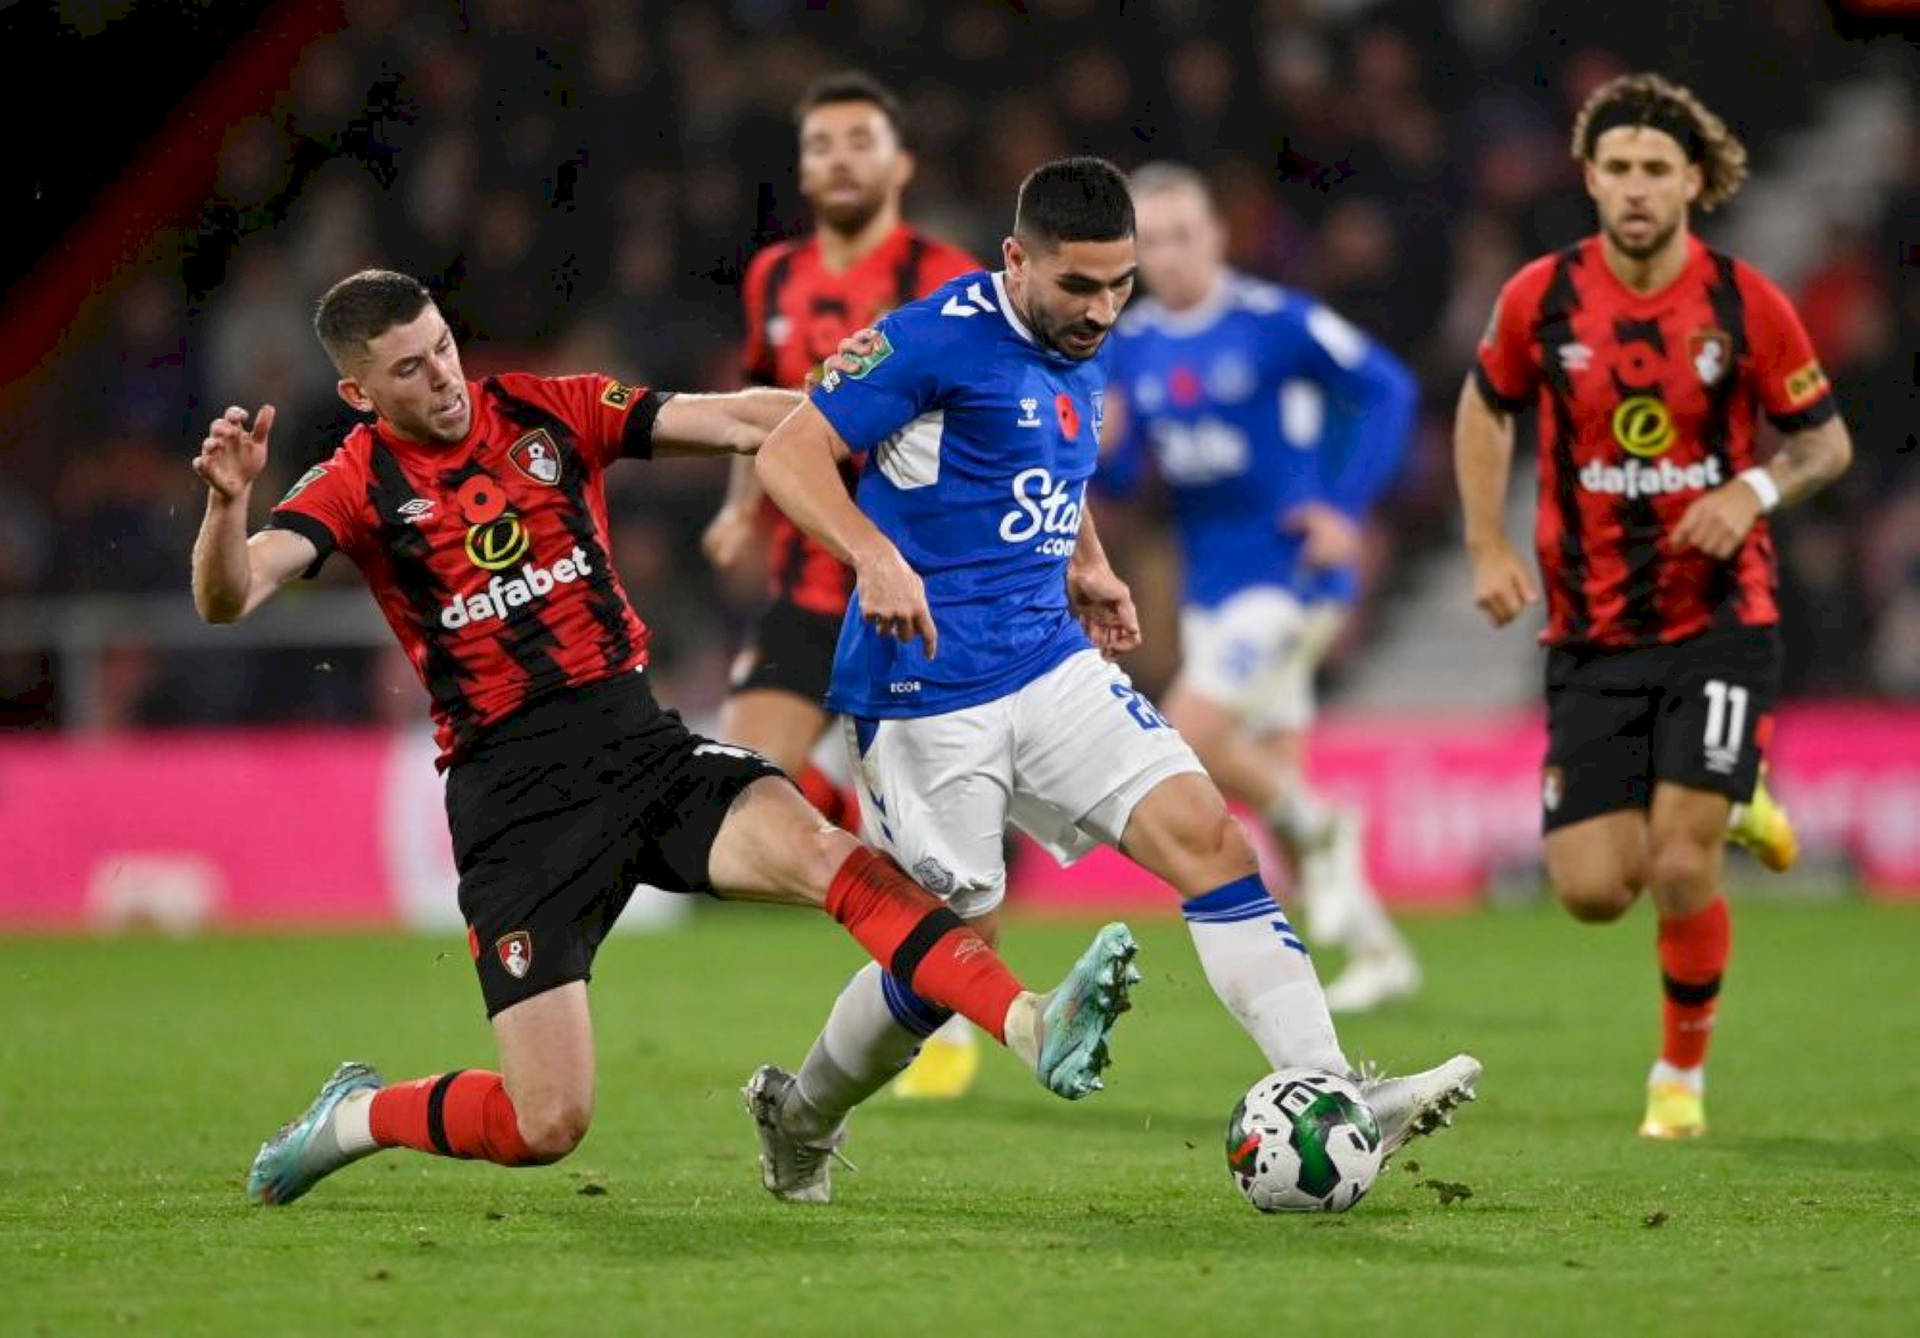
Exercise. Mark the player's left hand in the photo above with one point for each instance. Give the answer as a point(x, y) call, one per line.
point(1717, 523)
point(1104, 606)
point(1332, 539)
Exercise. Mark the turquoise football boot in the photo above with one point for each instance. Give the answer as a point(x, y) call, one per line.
point(297, 1158)
point(1080, 1012)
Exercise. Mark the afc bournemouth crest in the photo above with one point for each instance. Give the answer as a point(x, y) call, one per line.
point(536, 456)
point(1712, 354)
point(1553, 788)
point(516, 953)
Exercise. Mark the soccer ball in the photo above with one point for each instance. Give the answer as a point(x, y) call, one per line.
point(1303, 1141)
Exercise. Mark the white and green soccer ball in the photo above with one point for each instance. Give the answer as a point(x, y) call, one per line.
point(1303, 1141)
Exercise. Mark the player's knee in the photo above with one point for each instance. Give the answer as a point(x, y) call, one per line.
point(1591, 895)
point(1215, 846)
point(552, 1129)
point(1682, 866)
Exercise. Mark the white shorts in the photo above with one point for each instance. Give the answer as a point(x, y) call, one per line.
point(1065, 759)
point(1256, 654)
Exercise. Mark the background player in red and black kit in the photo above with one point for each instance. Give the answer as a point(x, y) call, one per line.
point(477, 513)
point(802, 297)
point(1645, 356)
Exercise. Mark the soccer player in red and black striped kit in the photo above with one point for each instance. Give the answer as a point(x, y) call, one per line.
point(1647, 357)
point(476, 510)
point(802, 297)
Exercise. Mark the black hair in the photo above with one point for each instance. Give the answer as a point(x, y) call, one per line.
point(851, 86)
point(364, 306)
point(1073, 200)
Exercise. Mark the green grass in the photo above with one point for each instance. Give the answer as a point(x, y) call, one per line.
point(137, 1077)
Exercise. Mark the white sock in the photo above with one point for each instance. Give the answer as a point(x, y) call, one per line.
point(353, 1125)
point(1694, 1079)
point(1022, 1028)
point(1260, 969)
point(863, 1045)
point(956, 1030)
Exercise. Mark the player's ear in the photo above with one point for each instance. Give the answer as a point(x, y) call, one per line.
point(1589, 176)
point(1696, 182)
point(350, 390)
point(903, 169)
point(1013, 253)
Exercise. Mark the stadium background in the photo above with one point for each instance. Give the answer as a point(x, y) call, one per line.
point(582, 184)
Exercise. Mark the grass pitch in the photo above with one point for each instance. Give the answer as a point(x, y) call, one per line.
point(137, 1077)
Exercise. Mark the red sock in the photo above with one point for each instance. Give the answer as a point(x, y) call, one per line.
point(909, 932)
point(466, 1113)
point(835, 804)
point(1693, 954)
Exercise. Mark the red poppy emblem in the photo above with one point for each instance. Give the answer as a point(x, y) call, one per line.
point(1069, 416)
point(480, 500)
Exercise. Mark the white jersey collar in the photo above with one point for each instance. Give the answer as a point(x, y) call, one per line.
point(1006, 308)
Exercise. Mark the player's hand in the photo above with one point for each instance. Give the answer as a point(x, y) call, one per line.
point(728, 536)
point(1332, 540)
point(1502, 585)
point(1717, 523)
point(893, 599)
point(1104, 606)
point(846, 359)
point(233, 455)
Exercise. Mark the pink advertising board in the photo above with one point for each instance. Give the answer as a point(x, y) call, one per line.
point(345, 828)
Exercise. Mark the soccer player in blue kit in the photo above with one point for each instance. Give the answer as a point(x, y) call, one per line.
point(975, 663)
point(1274, 425)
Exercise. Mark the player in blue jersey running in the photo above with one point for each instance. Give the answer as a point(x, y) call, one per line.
point(1274, 425)
point(975, 663)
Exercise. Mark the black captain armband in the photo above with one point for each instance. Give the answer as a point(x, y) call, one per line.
point(636, 439)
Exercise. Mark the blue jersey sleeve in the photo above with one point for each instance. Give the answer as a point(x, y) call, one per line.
point(894, 384)
point(1372, 400)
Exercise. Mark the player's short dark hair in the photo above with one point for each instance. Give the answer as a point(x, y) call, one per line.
point(364, 306)
point(851, 86)
point(1660, 104)
point(1073, 200)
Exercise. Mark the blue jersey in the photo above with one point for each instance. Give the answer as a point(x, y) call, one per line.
point(979, 443)
point(1249, 405)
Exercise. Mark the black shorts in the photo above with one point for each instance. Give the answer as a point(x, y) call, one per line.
point(558, 813)
point(791, 651)
point(1697, 713)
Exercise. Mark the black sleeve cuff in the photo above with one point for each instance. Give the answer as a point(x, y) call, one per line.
point(313, 531)
point(1812, 416)
point(636, 440)
point(1490, 393)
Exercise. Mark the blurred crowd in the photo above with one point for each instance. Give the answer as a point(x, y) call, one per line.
point(582, 184)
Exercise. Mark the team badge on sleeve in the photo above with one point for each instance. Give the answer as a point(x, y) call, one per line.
point(304, 482)
point(1806, 385)
point(536, 456)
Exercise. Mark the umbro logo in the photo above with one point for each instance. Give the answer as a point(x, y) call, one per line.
point(1575, 357)
point(975, 303)
point(416, 511)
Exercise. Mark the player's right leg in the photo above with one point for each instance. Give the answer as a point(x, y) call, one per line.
point(533, 1112)
point(771, 846)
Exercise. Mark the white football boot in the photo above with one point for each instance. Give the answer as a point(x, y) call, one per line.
point(1419, 1103)
point(795, 1171)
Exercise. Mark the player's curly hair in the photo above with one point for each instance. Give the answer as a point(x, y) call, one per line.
point(1660, 104)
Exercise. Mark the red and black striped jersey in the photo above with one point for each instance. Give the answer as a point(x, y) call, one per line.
point(489, 557)
point(1646, 402)
point(797, 312)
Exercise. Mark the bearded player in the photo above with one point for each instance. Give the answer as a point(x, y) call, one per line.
point(1647, 358)
point(477, 512)
point(802, 297)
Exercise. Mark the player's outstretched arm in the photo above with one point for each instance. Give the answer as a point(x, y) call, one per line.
point(1482, 458)
point(730, 424)
point(730, 533)
point(798, 468)
point(234, 575)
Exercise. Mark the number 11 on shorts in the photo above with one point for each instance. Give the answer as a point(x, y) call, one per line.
point(1726, 723)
